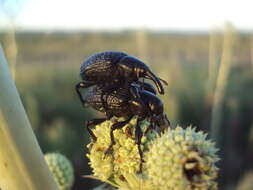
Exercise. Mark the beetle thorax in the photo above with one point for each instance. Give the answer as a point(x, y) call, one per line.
point(128, 73)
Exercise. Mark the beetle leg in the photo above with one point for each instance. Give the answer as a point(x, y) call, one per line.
point(114, 127)
point(138, 136)
point(134, 91)
point(91, 123)
point(166, 118)
point(83, 85)
point(78, 86)
point(165, 123)
point(151, 126)
point(108, 115)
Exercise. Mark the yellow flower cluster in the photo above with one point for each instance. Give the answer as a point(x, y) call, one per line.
point(178, 159)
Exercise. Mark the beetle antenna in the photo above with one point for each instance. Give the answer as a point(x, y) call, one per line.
point(164, 81)
point(156, 80)
point(142, 82)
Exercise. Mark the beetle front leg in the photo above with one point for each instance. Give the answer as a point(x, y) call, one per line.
point(166, 118)
point(134, 91)
point(151, 127)
point(91, 123)
point(114, 127)
point(138, 136)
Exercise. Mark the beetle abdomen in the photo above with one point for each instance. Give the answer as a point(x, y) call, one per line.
point(100, 66)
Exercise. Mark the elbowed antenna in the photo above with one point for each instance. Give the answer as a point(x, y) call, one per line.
point(156, 80)
point(164, 81)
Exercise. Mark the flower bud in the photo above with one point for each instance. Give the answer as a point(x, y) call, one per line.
point(62, 170)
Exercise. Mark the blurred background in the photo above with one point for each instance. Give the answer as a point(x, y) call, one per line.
point(204, 49)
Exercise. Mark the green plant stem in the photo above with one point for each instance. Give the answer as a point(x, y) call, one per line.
point(11, 50)
point(22, 164)
point(212, 69)
point(221, 84)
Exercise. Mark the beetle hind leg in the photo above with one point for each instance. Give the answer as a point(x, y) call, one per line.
point(82, 85)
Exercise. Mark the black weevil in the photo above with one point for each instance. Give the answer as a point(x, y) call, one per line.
point(113, 69)
point(123, 103)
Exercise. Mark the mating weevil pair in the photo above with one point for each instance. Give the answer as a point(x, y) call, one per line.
point(118, 92)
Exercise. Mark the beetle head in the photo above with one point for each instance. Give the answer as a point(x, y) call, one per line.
point(132, 69)
point(156, 111)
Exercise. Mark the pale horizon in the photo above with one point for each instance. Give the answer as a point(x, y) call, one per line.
point(116, 15)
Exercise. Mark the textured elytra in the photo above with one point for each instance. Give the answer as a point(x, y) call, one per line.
point(100, 65)
point(116, 100)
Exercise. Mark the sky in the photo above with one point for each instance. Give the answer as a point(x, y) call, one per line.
point(118, 14)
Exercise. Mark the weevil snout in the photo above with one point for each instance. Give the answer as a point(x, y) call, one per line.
point(161, 121)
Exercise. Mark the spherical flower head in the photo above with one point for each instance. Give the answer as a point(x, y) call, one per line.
point(177, 159)
point(121, 167)
point(62, 170)
point(182, 159)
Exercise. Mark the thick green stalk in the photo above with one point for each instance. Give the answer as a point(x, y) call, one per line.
point(22, 165)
